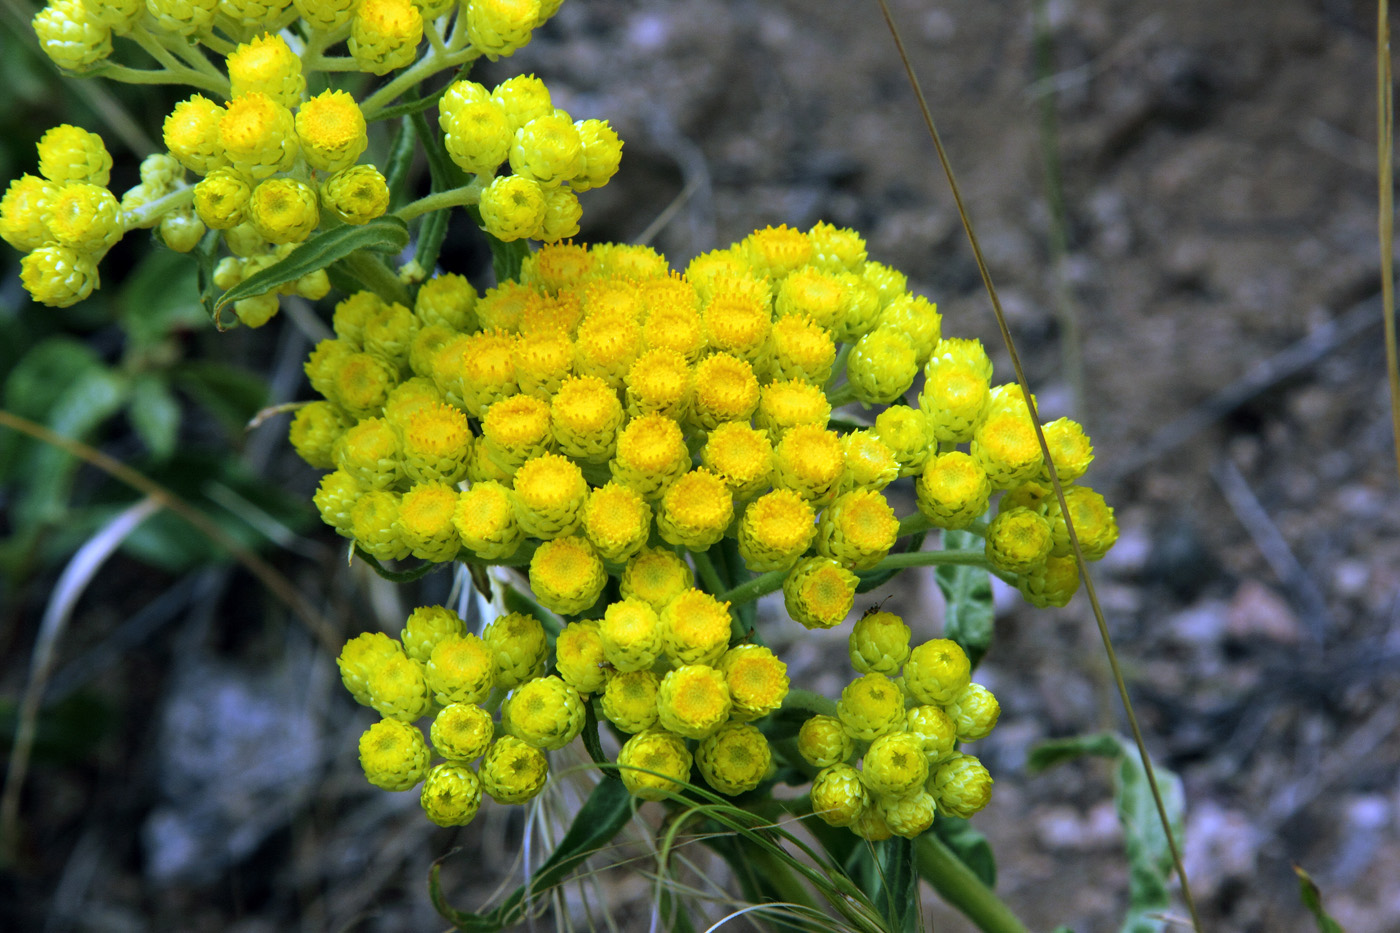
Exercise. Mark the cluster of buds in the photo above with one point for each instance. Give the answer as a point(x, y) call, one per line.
point(604, 422)
point(274, 163)
point(904, 719)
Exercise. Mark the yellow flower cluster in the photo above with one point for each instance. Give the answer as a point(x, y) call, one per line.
point(905, 732)
point(275, 163)
point(604, 422)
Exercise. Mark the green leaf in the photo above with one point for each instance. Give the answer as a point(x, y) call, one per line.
point(155, 415)
point(400, 576)
point(968, 591)
point(1145, 842)
point(898, 898)
point(506, 258)
point(430, 236)
point(1311, 897)
point(157, 300)
point(387, 233)
point(874, 580)
point(608, 808)
point(397, 164)
point(969, 845)
point(230, 394)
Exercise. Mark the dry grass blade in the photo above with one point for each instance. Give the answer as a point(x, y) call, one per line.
point(1385, 146)
point(1049, 463)
point(270, 577)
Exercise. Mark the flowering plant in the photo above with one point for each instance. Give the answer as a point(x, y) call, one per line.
point(621, 458)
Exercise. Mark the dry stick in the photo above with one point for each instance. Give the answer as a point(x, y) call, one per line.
point(1271, 543)
point(1385, 129)
point(280, 586)
point(1049, 465)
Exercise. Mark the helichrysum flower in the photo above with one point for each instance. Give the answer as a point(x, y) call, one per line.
point(284, 210)
point(676, 326)
point(221, 199)
point(735, 759)
point(839, 796)
point(818, 592)
point(879, 641)
point(447, 299)
point(788, 403)
point(517, 644)
point(461, 732)
point(1018, 540)
point(822, 741)
point(801, 349)
point(257, 134)
point(499, 27)
point(513, 771)
point(71, 36)
point(478, 369)
point(653, 763)
point(550, 493)
point(191, 133)
point(870, 464)
point(545, 712)
point(485, 520)
point(617, 520)
point(695, 628)
point(516, 430)
point(1070, 450)
point(1054, 583)
point(326, 15)
point(85, 218)
point(858, 529)
point(1004, 444)
point(58, 276)
point(871, 706)
point(974, 712)
point(435, 442)
point(182, 17)
point(631, 635)
point(776, 251)
point(776, 530)
point(357, 194)
point(331, 130)
point(695, 510)
point(882, 365)
point(1094, 523)
point(425, 627)
point(757, 681)
point(566, 575)
point(268, 65)
point(23, 210)
point(384, 34)
point(810, 461)
point(607, 345)
point(602, 153)
point(451, 794)
point(370, 452)
point(69, 153)
point(810, 292)
point(836, 248)
point(460, 669)
point(905, 431)
point(953, 490)
point(651, 454)
point(656, 576)
point(895, 766)
point(374, 524)
point(512, 207)
point(909, 816)
point(476, 133)
point(585, 417)
point(579, 657)
point(398, 689)
point(962, 786)
point(741, 456)
point(935, 730)
point(335, 499)
point(547, 149)
point(937, 671)
point(629, 701)
point(362, 655)
point(918, 320)
point(738, 321)
point(693, 701)
point(725, 389)
point(394, 755)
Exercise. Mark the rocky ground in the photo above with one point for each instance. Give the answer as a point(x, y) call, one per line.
point(1205, 300)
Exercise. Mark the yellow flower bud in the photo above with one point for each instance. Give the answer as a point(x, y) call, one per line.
point(257, 134)
point(461, 732)
point(585, 416)
point(512, 771)
point(801, 349)
point(631, 635)
point(72, 154)
point(629, 702)
point(384, 35)
point(725, 389)
point(858, 529)
point(485, 520)
point(1094, 523)
point(562, 212)
point(918, 320)
point(71, 36)
point(1018, 540)
point(741, 456)
point(882, 366)
point(518, 647)
point(654, 763)
point(937, 671)
point(871, 706)
point(757, 681)
point(617, 520)
point(777, 528)
point(85, 218)
point(602, 154)
point(58, 276)
point(499, 27)
point(693, 701)
point(836, 248)
point(331, 130)
point(24, 210)
point(566, 575)
point(451, 794)
point(658, 382)
point(811, 462)
point(735, 759)
point(838, 795)
point(191, 133)
point(284, 210)
point(651, 454)
point(820, 296)
point(545, 712)
point(656, 576)
point(394, 755)
point(221, 199)
point(512, 207)
point(547, 149)
point(953, 490)
point(822, 741)
point(791, 402)
point(425, 520)
point(182, 17)
point(268, 65)
point(818, 592)
point(776, 251)
point(550, 493)
point(326, 15)
point(895, 765)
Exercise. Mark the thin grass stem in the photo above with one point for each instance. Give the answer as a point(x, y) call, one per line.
point(1049, 464)
point(1385, 145)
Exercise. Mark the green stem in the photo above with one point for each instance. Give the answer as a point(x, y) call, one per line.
point(334, 63)
point(773, 580)
point(806, 701)
point(144, 215)
point(957, 885)
point(164, 76)
point(841, 395)
point(838, 369)
point(913, 524)
point(380, 279)
point(709, 575)
point(317, 43)
point(456, 197)
point(426, 67)
point(758, 586)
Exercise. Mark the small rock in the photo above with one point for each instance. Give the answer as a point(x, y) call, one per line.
point(1258, 612)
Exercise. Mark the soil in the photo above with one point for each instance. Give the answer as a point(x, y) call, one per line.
point(1216, 167)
